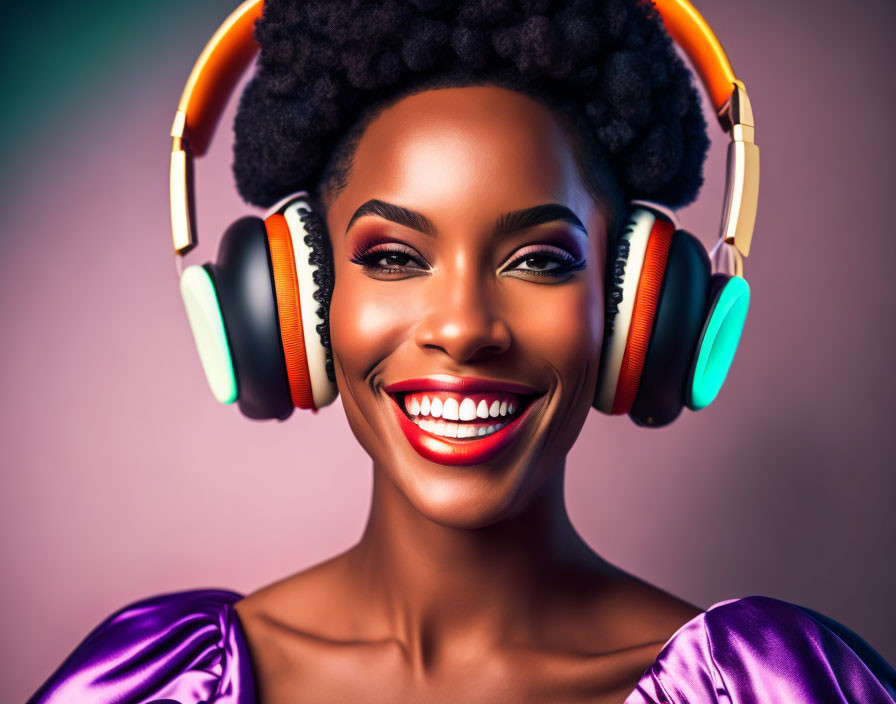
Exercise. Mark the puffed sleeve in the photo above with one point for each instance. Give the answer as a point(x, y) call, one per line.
point(760, 649)
point(185, 648)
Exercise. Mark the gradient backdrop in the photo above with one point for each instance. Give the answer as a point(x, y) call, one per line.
point(121, 478)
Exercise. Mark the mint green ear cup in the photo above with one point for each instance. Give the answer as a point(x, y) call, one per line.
point(207, 324)
point(718, 343)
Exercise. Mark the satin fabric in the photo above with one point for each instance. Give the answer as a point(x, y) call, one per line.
point(188, 648)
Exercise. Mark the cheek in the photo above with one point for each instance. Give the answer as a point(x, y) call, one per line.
point(564, 325)
point(367, 322)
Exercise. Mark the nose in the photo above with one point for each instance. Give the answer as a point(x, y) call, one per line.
point(462, 318)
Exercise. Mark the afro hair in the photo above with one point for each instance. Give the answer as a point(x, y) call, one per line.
point(327, 66)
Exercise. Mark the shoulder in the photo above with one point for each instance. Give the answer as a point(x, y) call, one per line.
point(184, 647)
point(758, 646)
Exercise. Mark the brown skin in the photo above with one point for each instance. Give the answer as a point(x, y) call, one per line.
point(469, 583)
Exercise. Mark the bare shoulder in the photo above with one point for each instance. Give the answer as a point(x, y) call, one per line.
point(633, 610)
point(305, 603)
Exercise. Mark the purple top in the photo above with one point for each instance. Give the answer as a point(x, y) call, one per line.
point(188, 648)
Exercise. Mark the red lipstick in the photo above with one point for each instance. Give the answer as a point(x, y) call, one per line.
point(467, 451)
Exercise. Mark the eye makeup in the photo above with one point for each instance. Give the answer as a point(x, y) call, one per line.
point(388, 258)
point(543, 260)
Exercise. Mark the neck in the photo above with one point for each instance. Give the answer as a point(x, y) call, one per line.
point(439, 584)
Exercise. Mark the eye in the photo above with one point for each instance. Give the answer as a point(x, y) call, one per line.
point(545, 261)
point(389, 259)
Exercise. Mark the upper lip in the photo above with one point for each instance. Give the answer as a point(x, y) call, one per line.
point(459, 384)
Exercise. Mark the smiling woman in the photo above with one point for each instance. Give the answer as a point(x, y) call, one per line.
point(455, 251)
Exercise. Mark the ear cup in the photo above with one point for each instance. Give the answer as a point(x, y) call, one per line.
point(634, 290)
point(244, 282)
point(729, 303)
point(303, 282)
point(679, 321)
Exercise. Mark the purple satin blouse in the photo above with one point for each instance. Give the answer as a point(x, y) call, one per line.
point(187, 648)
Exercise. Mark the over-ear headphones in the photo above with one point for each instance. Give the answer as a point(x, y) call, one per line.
point(259, 313)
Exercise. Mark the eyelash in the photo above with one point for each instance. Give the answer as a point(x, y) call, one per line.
point(369, 260)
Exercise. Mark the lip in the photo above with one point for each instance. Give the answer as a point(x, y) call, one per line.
point(459, 384)
point(470, 450)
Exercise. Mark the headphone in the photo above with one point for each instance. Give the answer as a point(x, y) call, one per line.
point(675, 312)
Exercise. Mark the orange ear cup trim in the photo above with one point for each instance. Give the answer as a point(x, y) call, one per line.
point(290, 312)
point(643, 313)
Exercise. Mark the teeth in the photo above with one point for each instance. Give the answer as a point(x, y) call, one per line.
point(455, 409)
point(449, 409)
point(467, 409)
point(457, 430)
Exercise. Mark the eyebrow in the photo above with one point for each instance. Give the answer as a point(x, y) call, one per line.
point(505, 224)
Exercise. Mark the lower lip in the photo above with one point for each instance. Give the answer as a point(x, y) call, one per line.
point(459, 452)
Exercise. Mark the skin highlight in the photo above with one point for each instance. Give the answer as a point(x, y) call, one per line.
point(470, 582)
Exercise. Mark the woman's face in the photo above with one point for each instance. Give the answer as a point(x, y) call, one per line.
point(448, 309)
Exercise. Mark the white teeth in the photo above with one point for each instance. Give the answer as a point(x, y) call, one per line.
point(449, 409)
point(456, 430)
point(467, 409)
point(425, 410)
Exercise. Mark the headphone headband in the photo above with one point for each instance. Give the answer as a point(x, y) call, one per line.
point(231, 48)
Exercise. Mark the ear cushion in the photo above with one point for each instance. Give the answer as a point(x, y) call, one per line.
point(244, 282)
point(623, 273)
point(679, 319)
point(303, 282)
point(635, 281)
point(289, 309)
point(311, 245)
point(643, 314)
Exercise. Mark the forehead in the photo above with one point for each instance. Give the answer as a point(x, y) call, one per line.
point(452, 147)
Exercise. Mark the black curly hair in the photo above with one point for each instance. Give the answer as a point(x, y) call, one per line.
point(607, 67)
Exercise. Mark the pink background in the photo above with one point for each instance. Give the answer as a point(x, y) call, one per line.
point(121, 478)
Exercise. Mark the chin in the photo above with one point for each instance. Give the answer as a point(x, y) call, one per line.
point(474, 499)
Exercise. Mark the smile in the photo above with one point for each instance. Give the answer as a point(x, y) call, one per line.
point(460, 420)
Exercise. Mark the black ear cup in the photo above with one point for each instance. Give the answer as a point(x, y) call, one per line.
point(677, 328)
point(244, 283)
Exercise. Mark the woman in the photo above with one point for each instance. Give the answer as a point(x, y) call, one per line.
point(467, 204)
